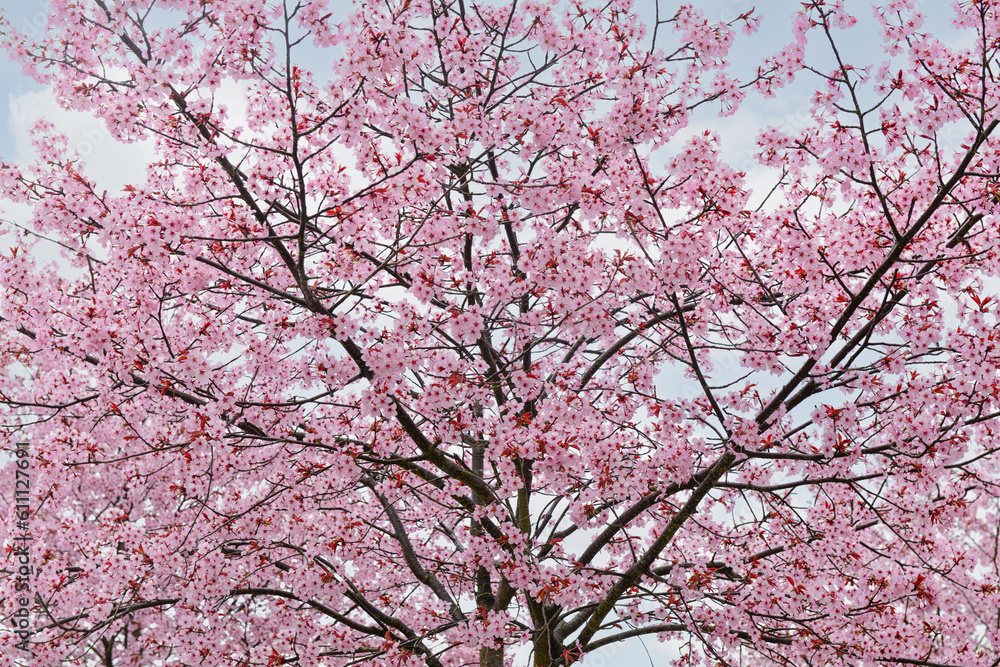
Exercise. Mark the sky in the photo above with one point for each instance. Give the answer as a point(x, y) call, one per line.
point(25, 16)
point(23, 102)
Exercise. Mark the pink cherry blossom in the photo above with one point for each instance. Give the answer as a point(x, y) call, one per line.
point(444, 334)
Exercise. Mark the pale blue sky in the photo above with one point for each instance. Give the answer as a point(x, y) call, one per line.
point(29, 17)
point(24, 15)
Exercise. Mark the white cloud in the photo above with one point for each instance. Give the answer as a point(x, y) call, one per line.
point(111, 163)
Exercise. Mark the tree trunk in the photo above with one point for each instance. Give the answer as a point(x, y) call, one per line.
point(490, 657)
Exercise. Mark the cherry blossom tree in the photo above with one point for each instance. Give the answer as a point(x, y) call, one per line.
point(455, 341)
